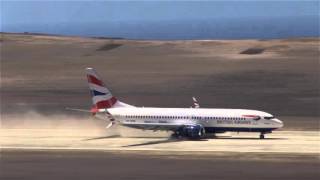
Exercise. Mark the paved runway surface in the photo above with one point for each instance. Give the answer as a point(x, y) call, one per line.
point(81, 165)
point(85, 154)
point(290, 142)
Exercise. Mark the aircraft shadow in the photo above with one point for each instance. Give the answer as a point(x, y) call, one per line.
point(102, 137)
point(162, 142)
point(246, 138)
point(144, 137)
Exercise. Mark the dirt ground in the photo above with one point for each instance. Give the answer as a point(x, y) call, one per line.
point(45, 74)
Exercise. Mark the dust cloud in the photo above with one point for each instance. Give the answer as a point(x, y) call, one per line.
point(69, 125)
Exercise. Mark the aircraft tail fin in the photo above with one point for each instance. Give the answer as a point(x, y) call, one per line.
point(101, 96)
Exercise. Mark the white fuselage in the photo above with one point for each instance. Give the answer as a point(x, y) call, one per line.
point(213, 120)
point(186, 122)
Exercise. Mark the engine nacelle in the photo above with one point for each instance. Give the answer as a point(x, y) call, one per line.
point(193, 131)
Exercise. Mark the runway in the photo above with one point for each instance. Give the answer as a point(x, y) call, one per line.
point(289, 142)
point(85, 154)
point(80, 165)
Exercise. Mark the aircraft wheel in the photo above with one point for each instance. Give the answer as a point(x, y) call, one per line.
point(261, 136)
point(175, 135)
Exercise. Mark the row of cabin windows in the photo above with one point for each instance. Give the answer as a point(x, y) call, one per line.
point(184, 117)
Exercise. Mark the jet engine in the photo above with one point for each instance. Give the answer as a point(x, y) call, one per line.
point(192, 131)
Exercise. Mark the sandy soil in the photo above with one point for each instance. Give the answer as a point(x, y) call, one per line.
point(46, 74)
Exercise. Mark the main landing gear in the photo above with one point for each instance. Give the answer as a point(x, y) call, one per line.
point(263, 133)
point(175, 135)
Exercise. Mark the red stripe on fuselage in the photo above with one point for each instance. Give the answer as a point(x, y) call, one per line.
point(252, 116)
point(94, 80)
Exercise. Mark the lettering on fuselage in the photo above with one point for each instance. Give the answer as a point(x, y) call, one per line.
point(233, 122)
point(130, 120)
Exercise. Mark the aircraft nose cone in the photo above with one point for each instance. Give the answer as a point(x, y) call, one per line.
point(278, 122)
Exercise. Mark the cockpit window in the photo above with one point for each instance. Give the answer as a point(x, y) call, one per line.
point(257, 118)
point(268, 117)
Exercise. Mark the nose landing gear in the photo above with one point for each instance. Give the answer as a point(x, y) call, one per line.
point(262, 136)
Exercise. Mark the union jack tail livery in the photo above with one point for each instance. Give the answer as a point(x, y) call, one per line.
point(101, 96)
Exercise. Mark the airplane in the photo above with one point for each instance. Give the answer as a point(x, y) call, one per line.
point(190, 123)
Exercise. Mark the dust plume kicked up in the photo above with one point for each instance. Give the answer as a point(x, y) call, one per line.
point(70, 125)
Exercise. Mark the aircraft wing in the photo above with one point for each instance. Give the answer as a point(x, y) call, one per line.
point(159, 126)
